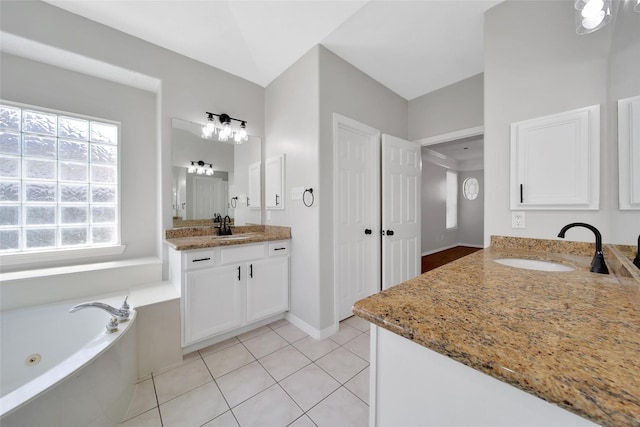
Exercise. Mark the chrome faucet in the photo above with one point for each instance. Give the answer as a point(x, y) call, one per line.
point(636, 261)
point(118, 314)
point(597, 264)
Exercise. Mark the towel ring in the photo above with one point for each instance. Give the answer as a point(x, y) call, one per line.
point(234, 199)
point(304, 198)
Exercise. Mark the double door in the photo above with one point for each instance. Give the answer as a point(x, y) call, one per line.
point(377, 212)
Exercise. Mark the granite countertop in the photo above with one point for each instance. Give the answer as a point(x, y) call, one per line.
point(184, 239)
point(570, 338)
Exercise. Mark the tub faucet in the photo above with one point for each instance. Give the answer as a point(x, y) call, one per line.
point(636, 261)
point(119, 314)
point(597, 264)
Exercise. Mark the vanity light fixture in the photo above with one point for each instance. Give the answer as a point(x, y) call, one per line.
point(591, 15)
point(636, 8)
point(201, 168)
point(224, 129)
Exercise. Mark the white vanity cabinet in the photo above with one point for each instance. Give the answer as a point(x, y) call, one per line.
point(227, 289)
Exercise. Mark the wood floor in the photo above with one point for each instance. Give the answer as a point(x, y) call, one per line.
point(429, 262)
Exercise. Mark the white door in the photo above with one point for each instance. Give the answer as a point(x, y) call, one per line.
point(204, 197)
point(401, 182)
point(356, 212)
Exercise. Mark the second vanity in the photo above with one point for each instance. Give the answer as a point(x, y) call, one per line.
point(229, 284)
point(479, 343)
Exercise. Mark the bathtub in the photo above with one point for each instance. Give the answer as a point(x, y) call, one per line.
point(62, 369)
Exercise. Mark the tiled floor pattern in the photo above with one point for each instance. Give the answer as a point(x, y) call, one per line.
point(273, 376)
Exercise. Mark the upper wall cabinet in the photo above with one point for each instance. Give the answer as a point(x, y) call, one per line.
point(629, 152)
point(555, 161)
point(274, 182)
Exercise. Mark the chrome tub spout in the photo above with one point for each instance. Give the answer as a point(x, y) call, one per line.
point(118, 314)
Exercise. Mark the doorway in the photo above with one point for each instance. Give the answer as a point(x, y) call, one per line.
point(377, 181)
point(452, 215)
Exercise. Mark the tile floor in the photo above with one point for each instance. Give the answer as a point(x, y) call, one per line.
point(273, 376)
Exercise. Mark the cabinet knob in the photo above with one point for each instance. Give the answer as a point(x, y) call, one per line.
point(367, 231)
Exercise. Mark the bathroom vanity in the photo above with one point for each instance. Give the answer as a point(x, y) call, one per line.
point(229, 284)
point(477, 342)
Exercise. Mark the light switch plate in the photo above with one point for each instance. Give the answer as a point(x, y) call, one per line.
point(517, 220)
point(296, 193)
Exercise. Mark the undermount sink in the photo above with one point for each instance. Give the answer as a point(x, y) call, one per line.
point(534, 264)
point(230, 237)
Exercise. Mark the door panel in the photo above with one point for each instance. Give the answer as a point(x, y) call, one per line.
point(357, 201)
point(401, 182)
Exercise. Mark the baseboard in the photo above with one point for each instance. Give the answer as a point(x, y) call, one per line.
point(471, 245)
point(444, 248)
point(318, 334)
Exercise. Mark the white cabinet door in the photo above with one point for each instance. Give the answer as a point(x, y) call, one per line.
point(274, 182)
point(212, 302)
point(555, 161)
point(255, 193)
point(267, 287)
point(629, 152)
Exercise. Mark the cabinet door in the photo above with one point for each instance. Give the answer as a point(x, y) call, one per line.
point(267, 288)
point(274, 182)
point(555, 161)
point(212, 302)
point(254, 186)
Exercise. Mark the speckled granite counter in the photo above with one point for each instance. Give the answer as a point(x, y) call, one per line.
point(571, 338)
point(183, 239)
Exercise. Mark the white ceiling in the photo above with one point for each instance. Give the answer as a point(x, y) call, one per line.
point(411, 47)
point(464, 149)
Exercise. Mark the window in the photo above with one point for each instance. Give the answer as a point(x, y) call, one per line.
point(59, 181)
point(452, 199)
point(470, 188)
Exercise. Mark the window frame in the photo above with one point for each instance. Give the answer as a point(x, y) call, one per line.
point(34, 256)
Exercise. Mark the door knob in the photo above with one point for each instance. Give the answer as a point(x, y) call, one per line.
point(367, 231)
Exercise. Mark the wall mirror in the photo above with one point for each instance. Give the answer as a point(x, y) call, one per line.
point(218, 181)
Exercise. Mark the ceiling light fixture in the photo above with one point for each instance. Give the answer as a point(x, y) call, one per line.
point(224, 129)
point(591, 15)
point(199, 167)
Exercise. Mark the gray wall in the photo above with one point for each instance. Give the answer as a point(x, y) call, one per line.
point(435, 235)
point(291, 105)
point(42, 85)
point(186, 90)
point(535, 67)
point(452, 108)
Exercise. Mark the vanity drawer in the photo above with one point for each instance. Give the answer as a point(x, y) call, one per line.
point(279, 248)
point(197, 259)
point(241, 253)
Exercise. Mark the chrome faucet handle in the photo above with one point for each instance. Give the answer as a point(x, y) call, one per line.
point(112, 326)
point(125, 304)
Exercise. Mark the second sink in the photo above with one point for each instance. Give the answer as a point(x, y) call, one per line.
point(534, 264)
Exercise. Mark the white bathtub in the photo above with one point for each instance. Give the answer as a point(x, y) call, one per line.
point(84, 377)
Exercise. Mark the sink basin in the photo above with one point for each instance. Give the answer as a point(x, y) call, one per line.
point(534, 264)
point(230, 237)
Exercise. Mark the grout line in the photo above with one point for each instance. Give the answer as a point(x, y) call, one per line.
point(155, 392)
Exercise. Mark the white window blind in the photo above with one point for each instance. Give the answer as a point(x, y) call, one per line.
point(452, 199)
point(59, 180)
